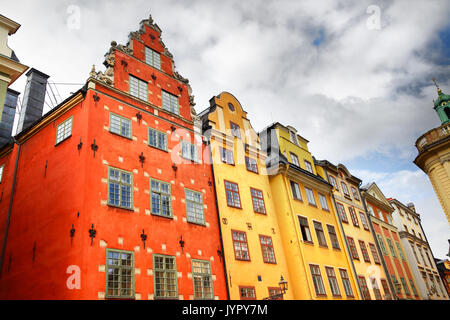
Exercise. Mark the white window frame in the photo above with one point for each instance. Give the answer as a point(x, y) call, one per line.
point(140, 86)
point(64, 130)
point(152, 58)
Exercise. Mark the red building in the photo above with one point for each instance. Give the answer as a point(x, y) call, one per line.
point(402, 282)
point(108, 195)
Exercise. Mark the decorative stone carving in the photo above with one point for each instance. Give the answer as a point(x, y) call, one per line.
point(179, 77)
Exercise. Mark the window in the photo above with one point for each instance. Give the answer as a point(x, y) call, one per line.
point(333, 237)
point(405, 286)
point(342, 213)
point(120, 185)
point(355, 193)
point(353, 216)
point(258, 201)
point(235, 130)
point(247, 293)
point(354, 252)
point(364, 222)
point(119, 125)
point(317, 280)
point(231, 107)
point(165, 277)
point(189, 151)
point(251, 164)
point(346, 283)
point(388, 218)
point(275, 294)
point(202, 280)
point(120, 274)
point(391, 247)
point(161, 202)
point(232, 191)
point(152, 58)
point(138, 88)
point(428, 257)
point(226, 156)
point(374, 251)
point(370, 208)
point(332, 280)
point(310, 196)
point(64, 131)
point(267, 249)
point(293, 137)
point(296, 194)
point(323, 202)
point(320, 234)
point(376, 289)
point(400, 252)
point(364, 252)
point(304, 228)
point(333, 182)
point(157, 139)
point(365, 290)
point(345, 189)
point(1, 172)
point(394, 281)
point(381, 243)
point(308, 166)
point(294, 159)
point(170, 102)
point(240, 245)
point(413, 287)
point(194, 206)
point(387, 292)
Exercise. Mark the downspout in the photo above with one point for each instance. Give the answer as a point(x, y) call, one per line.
point(394, 292)
point(8, 219)
point(218, 220)
point(295, 230)
point(341, 227)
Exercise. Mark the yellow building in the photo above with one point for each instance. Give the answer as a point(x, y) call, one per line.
point(434, 153)
point(367, 261)
point(253, 252)
point(318, 260)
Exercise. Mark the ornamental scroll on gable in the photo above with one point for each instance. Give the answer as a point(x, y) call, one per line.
point(107, 77)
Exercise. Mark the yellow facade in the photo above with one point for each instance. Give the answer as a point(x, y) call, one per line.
point(356, 226)
point(323, 254)
point(250, 275)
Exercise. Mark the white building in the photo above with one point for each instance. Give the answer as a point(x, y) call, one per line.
point(418, 251)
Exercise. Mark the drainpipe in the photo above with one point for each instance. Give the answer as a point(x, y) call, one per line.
point(297, 238)
point(341, 227)
point(8, 219)
point(394, 292)
point(218, 220)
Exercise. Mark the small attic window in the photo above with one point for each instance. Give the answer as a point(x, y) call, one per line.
point(231, 107)
point(293, 137)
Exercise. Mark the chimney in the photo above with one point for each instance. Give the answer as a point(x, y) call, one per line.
point(33, 99)
point(8, 115)
point(411, 206)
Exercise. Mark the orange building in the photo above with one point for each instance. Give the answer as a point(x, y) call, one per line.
point(107, 196)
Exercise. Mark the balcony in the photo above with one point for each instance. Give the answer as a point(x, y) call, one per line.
point(431, 137)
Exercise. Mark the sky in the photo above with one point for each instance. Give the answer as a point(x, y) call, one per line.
point(354, 77)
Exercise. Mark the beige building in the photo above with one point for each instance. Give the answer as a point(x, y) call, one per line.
point(10, 67)
point(366, 259)
point(434, 153)
point(418, 251)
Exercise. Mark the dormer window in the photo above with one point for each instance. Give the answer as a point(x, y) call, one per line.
point(152, 58)
point(293, 137)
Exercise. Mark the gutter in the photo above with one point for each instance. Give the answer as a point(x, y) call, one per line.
point(8, 219)
point(218, 220)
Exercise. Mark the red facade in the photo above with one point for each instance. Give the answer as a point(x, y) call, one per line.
point(64, 192)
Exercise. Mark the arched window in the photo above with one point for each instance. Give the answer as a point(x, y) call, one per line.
point(447, 112)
